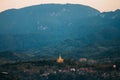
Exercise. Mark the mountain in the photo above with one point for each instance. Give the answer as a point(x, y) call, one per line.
point(36, 19)
point(41, 25)
point(70, 29)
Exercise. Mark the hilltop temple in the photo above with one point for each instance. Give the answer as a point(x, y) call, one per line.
point(60, 59)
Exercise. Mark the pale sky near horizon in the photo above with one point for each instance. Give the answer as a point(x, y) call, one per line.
point(101, 5)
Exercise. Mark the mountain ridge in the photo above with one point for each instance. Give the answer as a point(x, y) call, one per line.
point(69, 29)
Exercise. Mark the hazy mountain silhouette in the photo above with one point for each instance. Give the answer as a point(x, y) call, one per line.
point(70, 29)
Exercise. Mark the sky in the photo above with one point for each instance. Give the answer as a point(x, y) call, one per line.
point(101, 5)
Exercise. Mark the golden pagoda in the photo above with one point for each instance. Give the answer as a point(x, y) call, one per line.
point(60, 59)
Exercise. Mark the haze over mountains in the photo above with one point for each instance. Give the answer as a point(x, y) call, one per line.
point(50, 29)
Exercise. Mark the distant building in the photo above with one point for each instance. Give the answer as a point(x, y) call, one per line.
point(4, 72)
point(83, 59)
point(114, 66)
point(60, 59)
point(72, 69)
point(91, 61)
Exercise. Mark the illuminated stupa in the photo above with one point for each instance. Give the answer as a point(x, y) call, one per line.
point(60, 59)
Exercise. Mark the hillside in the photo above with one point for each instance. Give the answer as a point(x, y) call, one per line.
point(73, 30)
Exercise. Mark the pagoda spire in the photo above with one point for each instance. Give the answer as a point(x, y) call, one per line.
point(60, 59)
